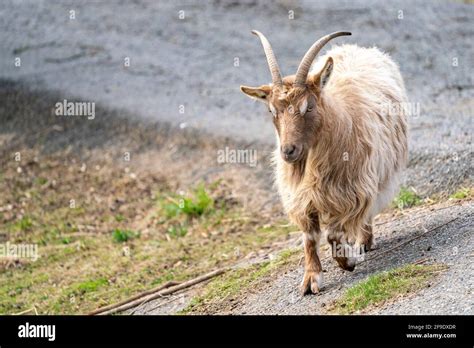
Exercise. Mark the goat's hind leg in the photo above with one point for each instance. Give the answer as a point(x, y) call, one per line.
point(342, 250)
point(366, 240)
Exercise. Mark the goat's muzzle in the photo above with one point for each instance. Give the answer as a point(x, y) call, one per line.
point(291, 153)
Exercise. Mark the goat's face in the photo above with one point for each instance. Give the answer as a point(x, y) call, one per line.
point(295, 101)
point(296, 112)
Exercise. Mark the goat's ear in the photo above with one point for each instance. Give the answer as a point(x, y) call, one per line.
point(321, 79)
point(261, 93)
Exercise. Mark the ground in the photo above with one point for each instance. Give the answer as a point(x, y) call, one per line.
point(177, 105)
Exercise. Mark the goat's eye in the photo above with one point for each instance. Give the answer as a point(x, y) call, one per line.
point(310, 108)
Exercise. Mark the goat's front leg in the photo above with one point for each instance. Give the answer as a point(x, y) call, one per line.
point(313, 276)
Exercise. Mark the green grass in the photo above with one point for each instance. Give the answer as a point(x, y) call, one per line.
point(24, 224)
point(407, 198)
point(41, 181)
point(197, 204)
point(463, 193)
point(89, 285)
point(180, 212)
point(384, 286)
point(121, 236)
point(66, 240)
point(177, 231)
point(119, 218)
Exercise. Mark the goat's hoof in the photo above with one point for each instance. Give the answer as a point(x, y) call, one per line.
point(312, 282)
point(369, 246)
point(346, 263)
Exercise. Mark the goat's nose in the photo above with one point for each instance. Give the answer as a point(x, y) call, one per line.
point(288, 150)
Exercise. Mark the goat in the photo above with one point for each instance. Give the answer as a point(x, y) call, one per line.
point(341, 146)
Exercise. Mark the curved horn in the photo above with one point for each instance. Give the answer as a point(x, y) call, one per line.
point(303, 68)
point(271, 59)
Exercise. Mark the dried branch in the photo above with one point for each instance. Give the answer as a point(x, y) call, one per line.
point(155, 293)
point(135, 297)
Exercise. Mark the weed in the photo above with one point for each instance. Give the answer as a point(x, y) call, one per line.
point(407, 198)
point(177, 230)
point(463, 193)
point(121, 236)
point(24, 224)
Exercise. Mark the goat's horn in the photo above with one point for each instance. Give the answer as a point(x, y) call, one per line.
point(271, 59)
point(303, 68)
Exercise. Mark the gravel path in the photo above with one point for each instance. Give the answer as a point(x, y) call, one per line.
point(452, 245)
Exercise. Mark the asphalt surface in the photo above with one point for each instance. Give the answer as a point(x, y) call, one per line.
point(183, 72)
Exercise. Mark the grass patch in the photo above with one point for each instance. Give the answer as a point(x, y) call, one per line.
point(194, 205)
point(463, 193)
point(121, 236)
point(90, 285)
point(41, 181)
point(119, 218)
point(406, 198)
point(24, 224)
point(379, 288)
point(177, 231)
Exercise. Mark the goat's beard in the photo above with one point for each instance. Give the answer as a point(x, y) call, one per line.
point(298, 167)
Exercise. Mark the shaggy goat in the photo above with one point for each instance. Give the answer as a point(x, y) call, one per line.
point(342, 143)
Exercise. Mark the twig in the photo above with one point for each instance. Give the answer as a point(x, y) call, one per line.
point(28, 310)
point(138, 296)
point(127, 304)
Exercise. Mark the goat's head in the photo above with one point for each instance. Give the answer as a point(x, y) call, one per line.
point(293, 101)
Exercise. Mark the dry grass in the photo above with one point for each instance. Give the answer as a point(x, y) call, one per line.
point(123, 232)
